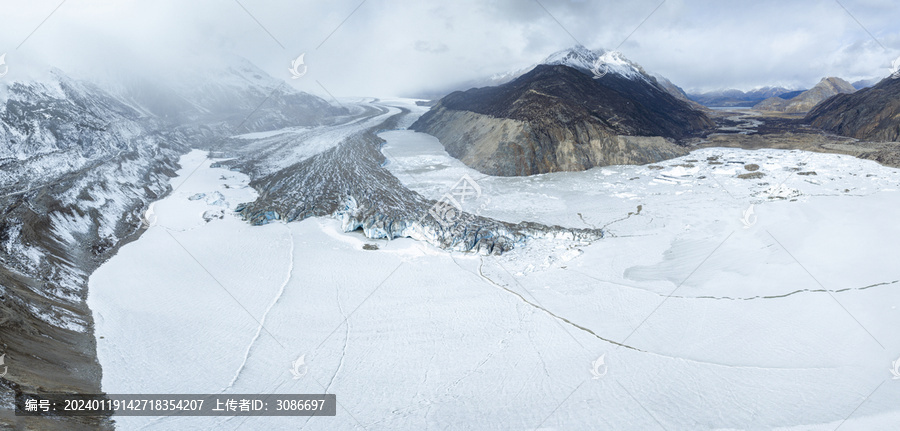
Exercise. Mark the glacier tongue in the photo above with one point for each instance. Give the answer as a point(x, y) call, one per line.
point(350, 182)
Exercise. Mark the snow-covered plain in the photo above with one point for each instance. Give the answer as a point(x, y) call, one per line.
point(783, 318)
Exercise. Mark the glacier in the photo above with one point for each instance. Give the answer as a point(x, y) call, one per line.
point(707, 316)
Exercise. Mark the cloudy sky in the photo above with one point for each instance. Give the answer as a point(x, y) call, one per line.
point(404, 47)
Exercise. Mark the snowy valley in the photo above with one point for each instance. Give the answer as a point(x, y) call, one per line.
point(720, 286)
point(450, 216)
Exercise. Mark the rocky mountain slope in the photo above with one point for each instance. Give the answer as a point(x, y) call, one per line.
point(78, 166)
point(558, 117)
point(871, 114)
point(807, 100)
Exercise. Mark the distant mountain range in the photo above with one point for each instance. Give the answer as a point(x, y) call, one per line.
point(737, 98)
point(864, 83)
point(869, 114)
point(747, 99)
point(576, 110)
point(806, 100)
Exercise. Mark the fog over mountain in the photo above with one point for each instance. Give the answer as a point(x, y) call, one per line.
point(352, 47)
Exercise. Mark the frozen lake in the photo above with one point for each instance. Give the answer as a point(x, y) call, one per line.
point(706, 316)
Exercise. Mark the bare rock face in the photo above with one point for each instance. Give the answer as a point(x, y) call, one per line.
point(559, 118)
point(513, 147)
point(808, 99)
point(871, 114)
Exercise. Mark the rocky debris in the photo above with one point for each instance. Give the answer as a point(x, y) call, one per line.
point(751, 175)
point(349, 182)
point(211, 215)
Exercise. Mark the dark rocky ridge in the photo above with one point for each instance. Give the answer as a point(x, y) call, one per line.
point(558, 118)
point(871, 114)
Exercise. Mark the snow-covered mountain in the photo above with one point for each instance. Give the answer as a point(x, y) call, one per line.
point(581, 58)
point(77, 168)
point(600, 62)
point(79, 163)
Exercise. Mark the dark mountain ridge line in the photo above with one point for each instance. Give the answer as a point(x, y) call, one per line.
point(350, 182)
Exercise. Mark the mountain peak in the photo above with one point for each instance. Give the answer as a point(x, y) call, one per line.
point(578, 57)
point(599, 61)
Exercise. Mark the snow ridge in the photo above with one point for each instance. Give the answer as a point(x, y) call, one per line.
point(599, 61)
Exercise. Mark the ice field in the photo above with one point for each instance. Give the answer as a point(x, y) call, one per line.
point(708, 313)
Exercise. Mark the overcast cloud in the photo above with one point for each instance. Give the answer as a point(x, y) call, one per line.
point(396, 47)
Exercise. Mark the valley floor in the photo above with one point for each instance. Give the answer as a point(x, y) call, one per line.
point(737, 289)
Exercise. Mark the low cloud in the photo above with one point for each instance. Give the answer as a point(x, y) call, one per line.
point(397, 47)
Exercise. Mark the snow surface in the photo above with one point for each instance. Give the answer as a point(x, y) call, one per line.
point(780, 319)
point(603, 61)
point(579, 57)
